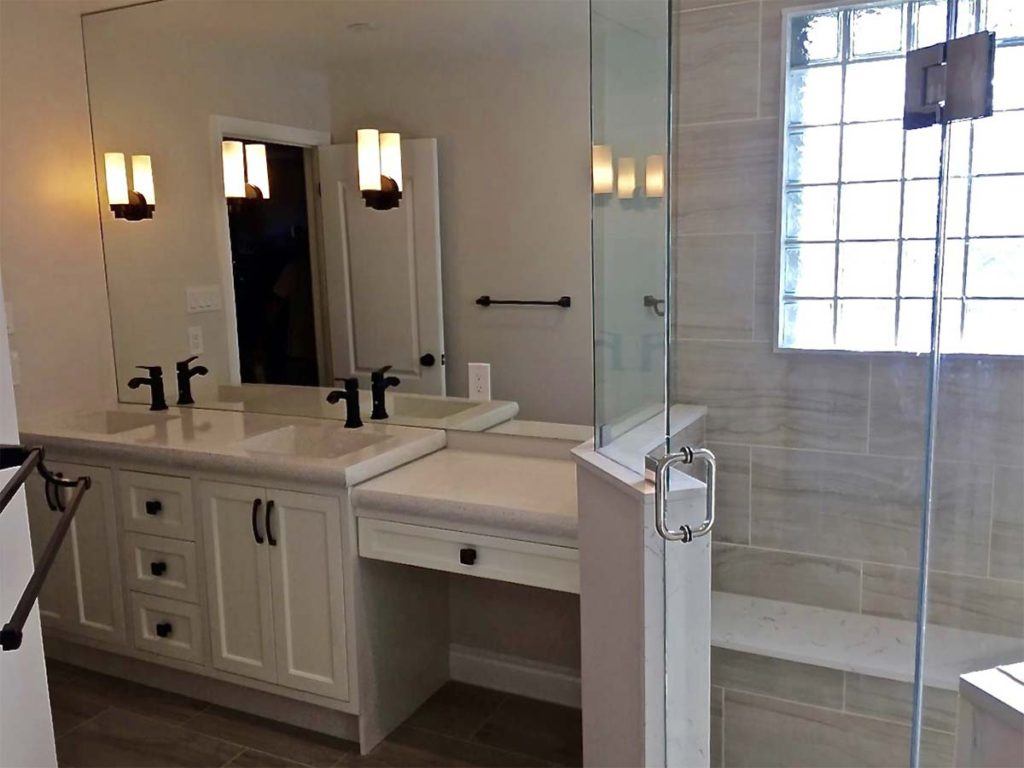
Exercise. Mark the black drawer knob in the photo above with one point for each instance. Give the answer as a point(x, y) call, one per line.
point(164, 628)
point(427, 360)
point(153, 507)
point(467, 556)
point(158, 568)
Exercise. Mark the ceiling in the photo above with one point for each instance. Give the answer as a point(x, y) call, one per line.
point(320, 34)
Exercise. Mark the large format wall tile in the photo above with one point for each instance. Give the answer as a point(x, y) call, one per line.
point(980, 408)
point(714, 287)
point(982, 605)
point(732, 496)
point(766, 252)
point(804, 683)
point(867, 508)
point(758, 397)
point(786, 576)
point(717, 66)
point(726, 180)
point(1008, 524)
point(894, 700)
point(762, 731)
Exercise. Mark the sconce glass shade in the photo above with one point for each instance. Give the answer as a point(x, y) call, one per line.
point(627, 177)
point(142, 178)
point(234, 168)
point(391, 157)
point(256, 168)
point(368, 154)
point(654, 185)
point(604, 172)
point(117, 178)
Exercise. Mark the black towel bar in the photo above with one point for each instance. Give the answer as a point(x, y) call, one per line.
point(564, 301)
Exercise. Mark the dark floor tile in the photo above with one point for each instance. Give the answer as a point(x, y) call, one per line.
point(547, 731)
point(119, 739)
point(268, 736)
point(457, 709)
point(137, 698)
point(251, 758)
point(71, 705)
point(410, 747)
point(58, 671)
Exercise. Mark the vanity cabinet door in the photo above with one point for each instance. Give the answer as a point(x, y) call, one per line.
point(83, 593)
point(238, 579)
point(304, 537)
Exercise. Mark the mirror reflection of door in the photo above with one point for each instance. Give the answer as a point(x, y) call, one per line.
point(273, 276)
point(382, 271)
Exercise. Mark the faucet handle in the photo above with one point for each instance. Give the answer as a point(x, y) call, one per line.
point(378, 374)
point(184, 364)
point(156, 371)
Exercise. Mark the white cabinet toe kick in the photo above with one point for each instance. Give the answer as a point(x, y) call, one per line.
point(471, 554)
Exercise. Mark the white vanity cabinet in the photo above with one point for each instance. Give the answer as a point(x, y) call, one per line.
point(274, 586)
point(83, 591)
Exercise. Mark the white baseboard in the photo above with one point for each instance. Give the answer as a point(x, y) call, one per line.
point(513, 674)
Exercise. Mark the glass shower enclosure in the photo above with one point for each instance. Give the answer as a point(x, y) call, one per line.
point(820, 280)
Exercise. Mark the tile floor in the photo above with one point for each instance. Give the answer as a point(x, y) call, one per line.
point(104, 721)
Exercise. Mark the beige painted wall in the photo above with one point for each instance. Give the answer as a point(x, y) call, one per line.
point(513, 155)
point(50, 249)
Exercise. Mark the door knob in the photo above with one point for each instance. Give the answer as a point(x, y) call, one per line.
point(427, 360)
point(158, 568)
point(164, 628)
point(153, 507)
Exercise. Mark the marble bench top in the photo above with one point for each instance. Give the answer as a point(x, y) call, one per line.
point(519, 497)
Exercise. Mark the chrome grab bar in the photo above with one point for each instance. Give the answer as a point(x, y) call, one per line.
point(660, 466)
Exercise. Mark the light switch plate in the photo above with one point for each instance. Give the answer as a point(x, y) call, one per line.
point(479, 381)
point(195, 340)
point(202, 298)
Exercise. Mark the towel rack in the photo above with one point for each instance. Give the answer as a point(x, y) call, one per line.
point(564, 301)
point(26, 460)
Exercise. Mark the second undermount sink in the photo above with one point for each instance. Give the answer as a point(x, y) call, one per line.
point(312, 441)
point(427, 407)
point(116, 422)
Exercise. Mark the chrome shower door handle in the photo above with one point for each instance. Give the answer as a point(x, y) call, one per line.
point(660, 467)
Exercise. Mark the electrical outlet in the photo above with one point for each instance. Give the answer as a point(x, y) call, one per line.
point(479, 381)
point(195, 340)
point(202, 298)
point(15, 368)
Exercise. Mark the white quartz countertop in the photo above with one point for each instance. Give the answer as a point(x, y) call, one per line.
point(519, 497)
point(282, 447)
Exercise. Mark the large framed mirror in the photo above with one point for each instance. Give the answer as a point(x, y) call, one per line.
point(303, 192)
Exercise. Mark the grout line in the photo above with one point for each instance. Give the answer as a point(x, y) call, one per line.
point(75, 727)
point(235, 756)
point(473, 743)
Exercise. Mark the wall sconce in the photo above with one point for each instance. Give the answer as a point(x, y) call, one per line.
point(138, 201)
point(627, 178)
point(245, 171)
point(604, 171)
point(380, 168)
point(654, 184)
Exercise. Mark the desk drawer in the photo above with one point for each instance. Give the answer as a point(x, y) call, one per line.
point(489, 557)
point(167, 627)
point(157, 504)
point(159, 566)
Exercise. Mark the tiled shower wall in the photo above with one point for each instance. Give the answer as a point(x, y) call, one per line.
point(820, 454)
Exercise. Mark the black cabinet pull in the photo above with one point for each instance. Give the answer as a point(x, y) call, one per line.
point(266, 524)
point(158, 568)
point(154, 507)
point(467, 556)
point(427, 360)
point(164, 628)
point(256, 504)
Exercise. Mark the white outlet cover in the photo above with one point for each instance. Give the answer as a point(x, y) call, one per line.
point(202, 298)
point(479, 381)
point(195, 340)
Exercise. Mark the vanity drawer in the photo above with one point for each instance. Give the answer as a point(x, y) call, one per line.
point(157, 504)
point(489, 557)
point(159, 566)
point(167, 627)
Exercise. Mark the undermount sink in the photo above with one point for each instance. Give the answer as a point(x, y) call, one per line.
point(115, 422)
point(326, 441)
point(427, 408)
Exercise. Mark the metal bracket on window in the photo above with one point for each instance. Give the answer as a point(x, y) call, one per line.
point(950, 81)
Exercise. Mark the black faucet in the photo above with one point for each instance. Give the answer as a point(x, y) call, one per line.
point(379, 383)
point(351, 398)
point(155, 382)
point(185, 373)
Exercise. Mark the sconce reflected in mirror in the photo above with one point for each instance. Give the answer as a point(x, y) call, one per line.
point(135, 202)
point(245, 171)
point(604, 172)
point(380, 168)
point(621, 177)
point(627, 178)
point(654, 176)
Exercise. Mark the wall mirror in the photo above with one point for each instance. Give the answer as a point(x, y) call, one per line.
point(244, 222)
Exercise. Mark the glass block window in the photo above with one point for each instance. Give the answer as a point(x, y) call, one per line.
point(860, 194)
